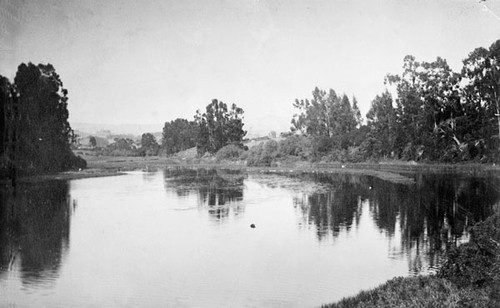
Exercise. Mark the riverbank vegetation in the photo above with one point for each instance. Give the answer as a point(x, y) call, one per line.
point(428, 113)
point(470, 277)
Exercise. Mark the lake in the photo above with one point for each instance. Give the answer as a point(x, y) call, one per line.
point(183, 237)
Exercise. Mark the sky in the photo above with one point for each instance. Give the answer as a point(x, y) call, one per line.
point(149, 62)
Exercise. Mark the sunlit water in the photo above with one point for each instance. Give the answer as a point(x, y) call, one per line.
point(182, 238)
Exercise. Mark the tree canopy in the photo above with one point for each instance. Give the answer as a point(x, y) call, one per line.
point(39, 132)
point(179, 135)
point(219, 126)
point(328, 118)
point(149, 146)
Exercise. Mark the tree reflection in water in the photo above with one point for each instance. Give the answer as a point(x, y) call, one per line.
point(220, 190)
point(34, 230)
point(428, 216)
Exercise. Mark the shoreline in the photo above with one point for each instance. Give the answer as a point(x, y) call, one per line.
point(394, 171)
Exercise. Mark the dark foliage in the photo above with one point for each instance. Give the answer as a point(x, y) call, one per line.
point(218, 127)
point(437, 115)
point(36, 132)
point(477, 262)
point(121, 147)
point(149, 146)
point(179, 135)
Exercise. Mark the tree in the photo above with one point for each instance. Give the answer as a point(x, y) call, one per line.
point(482, 92)
point(45, 134)
point(8, 114)
point(357, 112)
point(149, 146)
point(328, 118)
point(179, 135)
point(428, 98)
point(122, 147)
point(219, 126)
point(381, 120)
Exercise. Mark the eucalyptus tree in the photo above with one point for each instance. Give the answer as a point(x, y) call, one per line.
point(45, 133)
point(428, 100)
point(219, 126)
point(328, 118)
point(481, 70)
point(381, 121)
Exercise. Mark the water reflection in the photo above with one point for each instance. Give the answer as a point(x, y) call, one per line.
point(179, 238)
point(427, 216)
point(220, 190)
point(34, 230)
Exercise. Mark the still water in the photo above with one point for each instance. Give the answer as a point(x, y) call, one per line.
point(182, 238)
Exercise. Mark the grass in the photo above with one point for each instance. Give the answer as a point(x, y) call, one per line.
point(420, 291)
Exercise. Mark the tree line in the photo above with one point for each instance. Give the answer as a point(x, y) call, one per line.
point(219, 126)
point(36, 135)
point(431, 114)
point(437, 115)
point(427, 113)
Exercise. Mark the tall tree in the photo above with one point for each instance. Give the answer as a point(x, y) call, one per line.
point(482, 91)
point(381, 120)
point(327, 117)
point(357, 112)
point(45, 133)
point(428, 98)
point(219, 126)
point(7, 104)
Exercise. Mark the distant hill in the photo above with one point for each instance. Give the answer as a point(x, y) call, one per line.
point(256, 127)
point(265, 123)
point(127, 129)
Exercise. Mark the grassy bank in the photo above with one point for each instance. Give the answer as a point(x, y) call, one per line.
point(469, 278)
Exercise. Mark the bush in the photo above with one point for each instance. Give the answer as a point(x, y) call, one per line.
point(322, 146)
point(229, 152)
point(477, 262)
point(299, 146)
point(263, 154)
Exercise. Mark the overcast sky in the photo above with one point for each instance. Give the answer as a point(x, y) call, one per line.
point(153, 61)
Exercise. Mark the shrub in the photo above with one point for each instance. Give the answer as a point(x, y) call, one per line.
point(263, 154)
point(299, 146)
point(477, 262)
point(229, 152)
point(322, 146)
